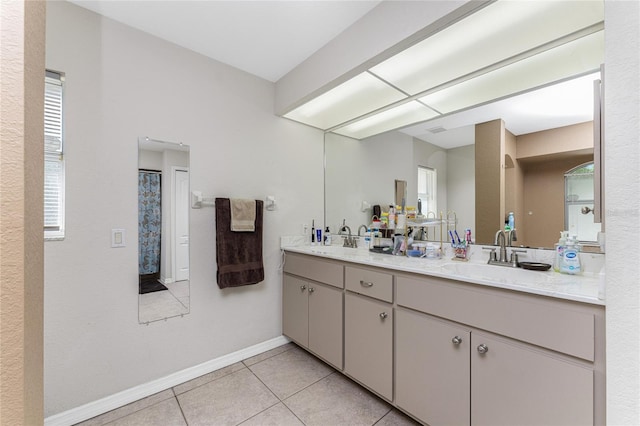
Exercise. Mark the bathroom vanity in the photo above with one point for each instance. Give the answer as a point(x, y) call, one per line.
point(452, 343)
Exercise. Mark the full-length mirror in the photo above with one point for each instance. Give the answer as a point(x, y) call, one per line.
point(530, 142)
point(163, 230)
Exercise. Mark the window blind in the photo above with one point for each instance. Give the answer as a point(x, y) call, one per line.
point(53, 156)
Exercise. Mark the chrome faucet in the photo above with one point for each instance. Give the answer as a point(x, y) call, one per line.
point(349, 240)
point(501, 240)
point(360, 227)
point(511, 237)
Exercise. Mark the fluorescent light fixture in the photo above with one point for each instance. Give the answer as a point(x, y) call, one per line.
point(351, 99)
point(393, 118)
point(499, 31)
point(574, 58)
point(505, 48)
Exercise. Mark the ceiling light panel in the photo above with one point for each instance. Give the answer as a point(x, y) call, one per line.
point(394, 118)
point(497, 32)
point(575, 58)
point(354, 98)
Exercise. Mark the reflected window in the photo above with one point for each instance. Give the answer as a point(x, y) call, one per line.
point(427, 189)
point(53, 157)
point(579, 203)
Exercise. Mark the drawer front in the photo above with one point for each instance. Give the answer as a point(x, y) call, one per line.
point(370, 283)
point(324, 271)
point(527, 318)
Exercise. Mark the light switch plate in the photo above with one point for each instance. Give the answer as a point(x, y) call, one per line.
point(117, 238)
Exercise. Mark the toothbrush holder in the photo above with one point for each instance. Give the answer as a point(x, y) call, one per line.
point(461, 251)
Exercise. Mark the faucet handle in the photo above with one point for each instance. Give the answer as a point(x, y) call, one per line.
point(514, 256)
point(492, 255)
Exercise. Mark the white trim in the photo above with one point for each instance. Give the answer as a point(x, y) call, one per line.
point(101, 406)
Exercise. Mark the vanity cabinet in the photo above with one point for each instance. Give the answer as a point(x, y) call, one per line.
point(368, 335)
point(453, 368)
point(433, 369)
point(513, 383)
point(447, 351)
point(368, 329)
point(312, 313)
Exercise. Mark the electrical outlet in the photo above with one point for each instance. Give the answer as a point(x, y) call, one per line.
point(305, 229)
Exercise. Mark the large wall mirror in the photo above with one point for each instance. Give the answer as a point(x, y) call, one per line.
point(535, 139)
point(163, 230)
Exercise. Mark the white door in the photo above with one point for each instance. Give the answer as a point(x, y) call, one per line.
point(181, 204)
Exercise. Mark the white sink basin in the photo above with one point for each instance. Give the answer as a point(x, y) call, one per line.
point(498, 273)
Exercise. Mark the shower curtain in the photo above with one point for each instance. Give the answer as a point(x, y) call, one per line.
point(149, 222)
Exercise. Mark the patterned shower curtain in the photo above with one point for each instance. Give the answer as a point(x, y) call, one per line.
point(149, 222)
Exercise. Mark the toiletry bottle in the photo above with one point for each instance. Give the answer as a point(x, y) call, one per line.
point(559, 249)
point(367, 239)
point(319, 236)
point(327, 237)
point(392, 218)
point(571, 258)
point(512, 221)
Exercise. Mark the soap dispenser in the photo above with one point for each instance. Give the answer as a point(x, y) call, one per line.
point(570, 263)
point(558, 250)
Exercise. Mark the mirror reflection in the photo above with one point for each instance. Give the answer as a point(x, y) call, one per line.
point(163, 230)
point(508, 156)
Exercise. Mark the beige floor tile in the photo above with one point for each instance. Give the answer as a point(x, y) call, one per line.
point(226, 401)
point(214, 375)
point(336, 400)
point(165, 413)
point(128, 409)
point(397, 418)
point(268, 354)
point(278, 415)
point(290, 372)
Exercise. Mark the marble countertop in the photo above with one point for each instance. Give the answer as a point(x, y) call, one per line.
point(580, 288)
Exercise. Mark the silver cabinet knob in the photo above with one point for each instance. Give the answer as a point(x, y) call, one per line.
point(311, 289)
point(457, 340)
point(384, 315)
point(366, 283)
point(483, 349)
point(303, 287)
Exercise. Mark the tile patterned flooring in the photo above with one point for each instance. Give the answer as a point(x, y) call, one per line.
point(284, 386)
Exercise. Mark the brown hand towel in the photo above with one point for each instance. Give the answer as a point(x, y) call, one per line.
point(238, 254)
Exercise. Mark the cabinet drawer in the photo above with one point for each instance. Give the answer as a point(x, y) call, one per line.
point(540, 321)
point(324, 271)
point(369, 283)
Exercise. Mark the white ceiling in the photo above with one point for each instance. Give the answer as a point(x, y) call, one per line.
point(265, 38)
point(563, 104)
point(269, 38)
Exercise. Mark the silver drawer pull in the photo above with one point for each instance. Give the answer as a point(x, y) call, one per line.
point(483, 349)
point(457, 340)
point(366, 283)
point(303, 287)
point(311, 289)
point(383, 315)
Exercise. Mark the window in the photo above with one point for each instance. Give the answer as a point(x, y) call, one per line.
point(427, 189)
point(53, 157)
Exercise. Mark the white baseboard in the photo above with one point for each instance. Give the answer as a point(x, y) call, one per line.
point(101, 406)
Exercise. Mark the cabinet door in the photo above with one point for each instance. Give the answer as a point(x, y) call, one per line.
point(432, 369)
point(514, 384)
point(295, 310)
point(325, 323)
point(369, 343)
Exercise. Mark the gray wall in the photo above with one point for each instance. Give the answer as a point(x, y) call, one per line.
point(121, 84)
